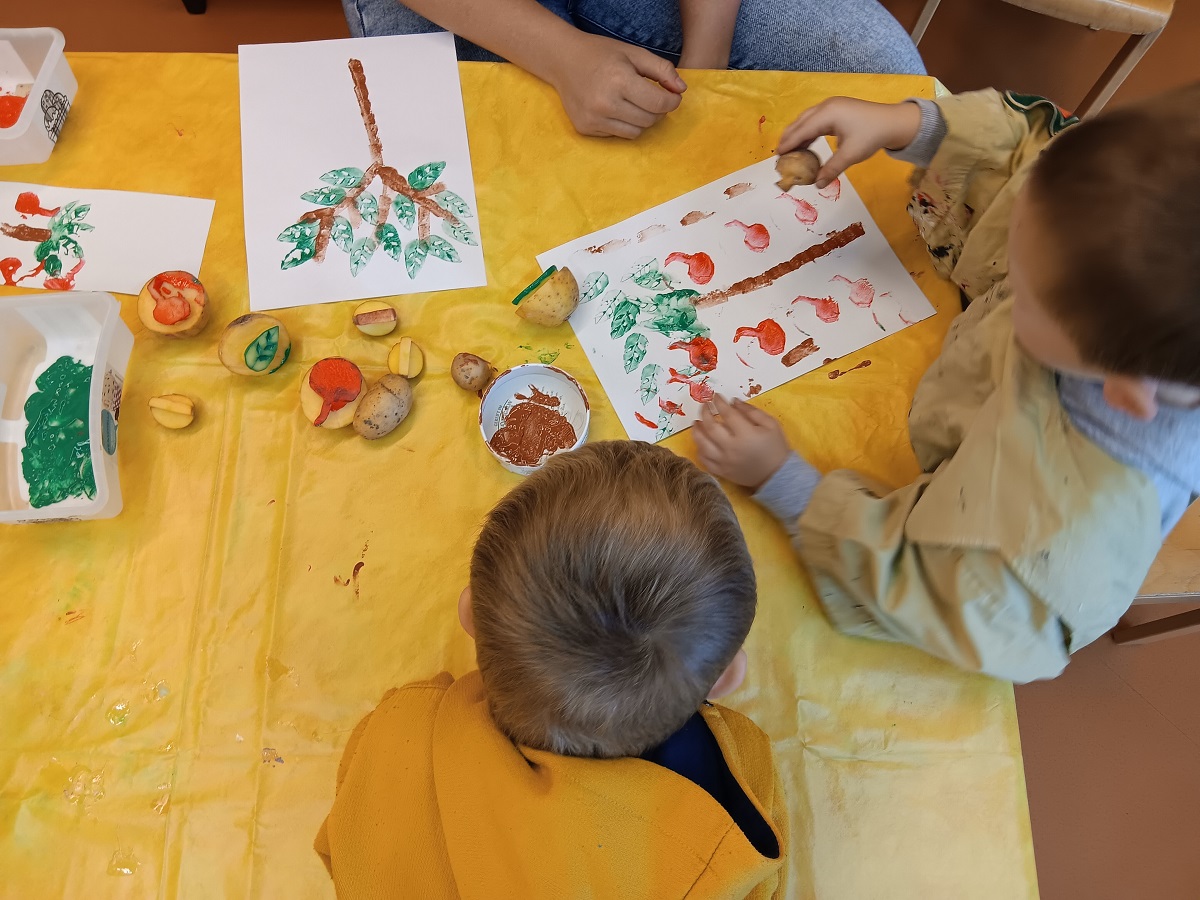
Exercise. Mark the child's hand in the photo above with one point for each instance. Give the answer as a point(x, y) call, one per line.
point(862, 129)
point(609, 89)
point(739, 442)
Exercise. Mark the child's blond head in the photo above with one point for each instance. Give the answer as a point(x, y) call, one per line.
point(609, 592)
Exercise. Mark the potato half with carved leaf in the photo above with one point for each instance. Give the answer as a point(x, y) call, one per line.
point(551, 299)
point(254, 344)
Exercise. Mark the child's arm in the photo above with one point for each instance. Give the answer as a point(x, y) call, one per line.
point(607, 87)
point(707, 32)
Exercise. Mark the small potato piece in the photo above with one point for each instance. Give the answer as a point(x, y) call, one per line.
point(383, 407)
point(797, 167)
point(330, 392)
point(551, 301)
point(174, 304)
point(471, 372)
point(406, 358)
point(254, 344)
point(376, 318)
point(173, 410)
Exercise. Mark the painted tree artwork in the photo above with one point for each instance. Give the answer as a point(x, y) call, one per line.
point(734, 288)
point(56, 242)
point(366, 181)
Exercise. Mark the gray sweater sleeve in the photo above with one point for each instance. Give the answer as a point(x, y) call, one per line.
point(929, 137)
point(786, 493)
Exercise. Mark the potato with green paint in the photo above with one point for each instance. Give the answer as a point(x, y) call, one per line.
point(254, 344)
point(383, 407)
point(550, 300)
point(471, 372)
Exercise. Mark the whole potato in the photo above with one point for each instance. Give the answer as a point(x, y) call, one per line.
point(471, 372)
point(797, 167)
point(383, 407)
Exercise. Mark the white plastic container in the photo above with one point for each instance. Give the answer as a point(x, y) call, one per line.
point(547, 386)
point(36, 330)
point(40, 50)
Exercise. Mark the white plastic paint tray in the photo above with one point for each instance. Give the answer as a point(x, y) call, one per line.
point(36, 330)
point(35, 56)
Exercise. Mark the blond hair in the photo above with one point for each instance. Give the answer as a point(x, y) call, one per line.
point(610, 590)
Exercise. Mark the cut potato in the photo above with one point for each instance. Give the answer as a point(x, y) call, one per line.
point(254, 344)
point(798, 167)
point(330, 392)
point(173, 410)
point(383, 407)
point(174, 304)
point(376, 318)
point(550, 300)
point(406, 358)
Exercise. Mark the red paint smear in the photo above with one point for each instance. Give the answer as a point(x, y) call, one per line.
point(836, 374)
point(762, 120)
point(10, 110)
point(862, 292)
point(702, 353)
point(699, 265)
point(757, 238)
point(742, 361)
point(36, 271)
point(700, 390)
point(28, 204)
point(806, 213)
point(336, 381)
point(768, 334)
point(644, 420)
point(65, 282)
point(170, 307)
point(832, 191)
point(8, 268)
point(826, 307)
point(667, 406)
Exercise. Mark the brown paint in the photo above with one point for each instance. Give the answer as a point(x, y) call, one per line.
point(375, 316)
point(836, 374)
point(650, 231)
point(807, 347)
point(615, 244)
point(422, 223)
point(364, 108)
point(693, 217)
point(754, 389)
point(25, 232)
point(835, 241)
point(532, 429)
point(358, 566)
point(736, 190)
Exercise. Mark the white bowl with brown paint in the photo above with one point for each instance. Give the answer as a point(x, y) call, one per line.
point(529, 413)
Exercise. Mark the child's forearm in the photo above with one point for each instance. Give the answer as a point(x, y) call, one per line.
point(707, 32)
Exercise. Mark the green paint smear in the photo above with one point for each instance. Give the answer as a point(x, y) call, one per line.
point(545, 357)
point(57, 458)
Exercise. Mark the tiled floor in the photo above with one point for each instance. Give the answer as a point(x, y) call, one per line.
point(1112, 748)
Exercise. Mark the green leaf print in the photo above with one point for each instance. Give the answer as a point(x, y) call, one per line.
point(650, 378)
point(593, 286)
point(262, 350)
point(42, 250)
point(301, 253)
point(349, 177)
point(53, 266)
point(360, 254)
point(424, 176)
point(324, 196)
point(624, 318)
point(300, 232)
point(404, 211)
point(341, 233)
point(414, 257)
point(646, 274)
point(442, 248)
point(367, 205)
point(70, 246)
point(389, 240)
point(460, 232)
point(452, 202)
point(635, 350)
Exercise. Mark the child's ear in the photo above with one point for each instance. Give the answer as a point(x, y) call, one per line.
point(465, 614)
point(731, 679)
point(1135, 397)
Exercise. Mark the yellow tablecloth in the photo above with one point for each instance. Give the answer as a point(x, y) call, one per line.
point(177, 683)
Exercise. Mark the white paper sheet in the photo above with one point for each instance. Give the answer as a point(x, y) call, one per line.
point(642, 280)
point(303, 132)
point(64, 239)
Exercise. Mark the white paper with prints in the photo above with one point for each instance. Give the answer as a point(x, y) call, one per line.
point(733, 288)
point(356, 171)
point(63, 239)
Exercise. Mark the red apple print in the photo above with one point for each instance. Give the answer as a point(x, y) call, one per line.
point(670, 408)
point(699, 390)
point(8, 268)
point(699, 265)
point(644, 420)
point(336, 381)
point(826, 307)
point(28, 204)
point(63, 282)
point(768, 334)
point(806, 213)
point(833, 190)
point(756, 236)
point(862, 292)
point(702, 353)
point(170, 301)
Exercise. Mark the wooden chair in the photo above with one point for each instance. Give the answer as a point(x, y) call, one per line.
point(1143, 20)
point(1174, 578)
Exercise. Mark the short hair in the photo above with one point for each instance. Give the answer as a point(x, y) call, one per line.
point(609, 590)
point(1120, 195)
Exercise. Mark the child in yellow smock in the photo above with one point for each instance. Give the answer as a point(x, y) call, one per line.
point(609, 597)
point(1059, 429)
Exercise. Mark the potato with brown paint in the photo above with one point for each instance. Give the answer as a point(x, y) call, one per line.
point(383, 407)
point(470, 372)
point(798, 167)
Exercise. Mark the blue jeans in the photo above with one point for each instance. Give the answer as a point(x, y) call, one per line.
point(784, 35)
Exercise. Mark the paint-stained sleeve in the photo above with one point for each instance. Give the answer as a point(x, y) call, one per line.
point(963, 604)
